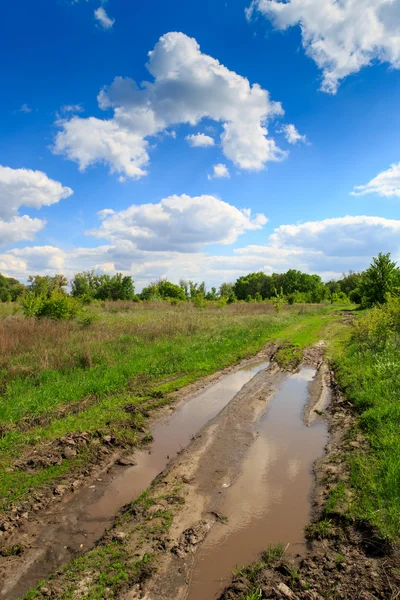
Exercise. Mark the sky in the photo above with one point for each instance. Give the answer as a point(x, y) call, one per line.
point(198, 140)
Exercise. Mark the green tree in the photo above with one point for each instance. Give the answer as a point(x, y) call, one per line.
point(379, 281)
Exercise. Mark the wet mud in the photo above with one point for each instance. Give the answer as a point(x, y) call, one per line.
point(78, 522)
point(269, 503)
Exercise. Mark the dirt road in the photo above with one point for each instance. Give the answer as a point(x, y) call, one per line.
point(243, 482)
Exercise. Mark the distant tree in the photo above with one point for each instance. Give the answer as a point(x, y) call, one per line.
point(379, 281)
point(184, 285)
point(163, 289)
point(225, 289)
point(212, 294)
point(88, 285)
point(45, 285)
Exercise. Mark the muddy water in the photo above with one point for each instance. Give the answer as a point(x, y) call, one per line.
point(81, 521)
point(170, 437)
point(270, 501)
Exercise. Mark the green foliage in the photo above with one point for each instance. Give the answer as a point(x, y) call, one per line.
point(164, 290)
point(89, 286)
point(44, 286)
point(279, 300)
point(300, 287)
point(379, 281)
point(374, 330)
point(10, 289)
point(57, 306)
point(368, 368)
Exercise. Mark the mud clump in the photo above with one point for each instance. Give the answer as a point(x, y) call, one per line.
point(330, 571)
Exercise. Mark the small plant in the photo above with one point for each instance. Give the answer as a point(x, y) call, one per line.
point(256, 595)
point(273, 553)
point(278, 300)
point(320, 530)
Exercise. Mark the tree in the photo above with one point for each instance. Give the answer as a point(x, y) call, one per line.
point(225, 289)
point(163, 289)
point(45, 285)
point(379, 281)
point(88, 285)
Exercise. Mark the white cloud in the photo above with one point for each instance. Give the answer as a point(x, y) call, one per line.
point(25, 109)
point(342, 36)
point(177, 223)
point(71, 108)
point(24, 187)
point(219, 171)
point(350, 239)
point(200, 140)
point(292, 135)
point(102, 17)
point(188, 86)
point(327, 247)
point(19, 229)
point(386, 184)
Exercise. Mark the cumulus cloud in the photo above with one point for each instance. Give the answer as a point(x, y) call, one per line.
point(188, 86)
point(292, 135)
point(177, 223)
point(386, 184)
point(327, 247)
point(200, 140)
point(102, 17)
point(25, 109)
point(219, 171)
point(341, 37)
point(19, 229)
point(23, 187)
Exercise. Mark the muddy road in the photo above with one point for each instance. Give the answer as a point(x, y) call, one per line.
point(241, 451)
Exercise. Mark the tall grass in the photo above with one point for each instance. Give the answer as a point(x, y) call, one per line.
point(369, 370)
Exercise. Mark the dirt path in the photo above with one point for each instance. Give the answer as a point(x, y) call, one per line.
point(243, 481)
point(242, 492)
point(53, 537)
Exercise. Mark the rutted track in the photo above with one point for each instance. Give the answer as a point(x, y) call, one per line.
point(227, 453)
point(76, 524)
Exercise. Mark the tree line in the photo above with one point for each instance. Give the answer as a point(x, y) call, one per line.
point(371, 287)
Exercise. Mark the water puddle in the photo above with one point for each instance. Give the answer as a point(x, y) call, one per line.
point(270, 501)
point(171, 436)
point(82, 520)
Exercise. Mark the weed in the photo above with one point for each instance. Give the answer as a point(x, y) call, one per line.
point(256, 595)
point(288, 357)
point(273, 553)
point(320, 530)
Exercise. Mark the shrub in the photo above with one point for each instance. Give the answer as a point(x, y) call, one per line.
point(374, 330)
point(58, 306)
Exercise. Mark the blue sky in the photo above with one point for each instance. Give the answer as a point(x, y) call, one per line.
point(291, 121)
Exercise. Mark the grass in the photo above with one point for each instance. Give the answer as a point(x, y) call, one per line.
point(58, 378)
point(369, 372)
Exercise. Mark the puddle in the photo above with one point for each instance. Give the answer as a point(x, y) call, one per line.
point(81, 521)
point(270, 501)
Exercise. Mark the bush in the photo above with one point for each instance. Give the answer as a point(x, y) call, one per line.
point(58, 306)
point(374, 330)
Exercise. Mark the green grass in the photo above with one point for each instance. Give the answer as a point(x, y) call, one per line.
point(108, 570)
point(369, 373)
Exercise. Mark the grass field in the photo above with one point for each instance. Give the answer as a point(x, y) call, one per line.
point(58, 378)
